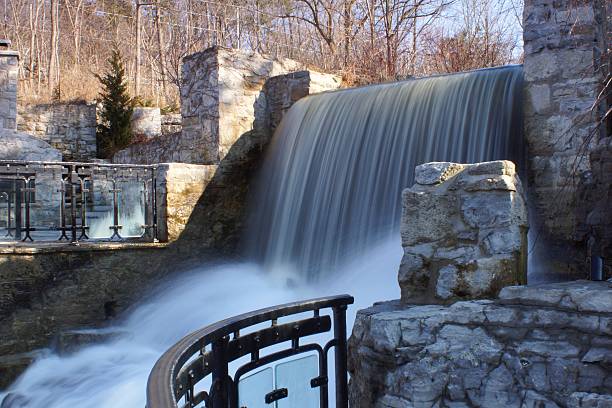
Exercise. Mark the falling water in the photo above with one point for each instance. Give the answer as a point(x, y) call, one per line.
point(339, 160)
point(328, 199)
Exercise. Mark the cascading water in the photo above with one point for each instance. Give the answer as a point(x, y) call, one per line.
point(327, 207)
point(334, 173)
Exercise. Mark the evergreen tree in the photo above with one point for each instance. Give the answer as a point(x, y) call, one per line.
point(113, 132)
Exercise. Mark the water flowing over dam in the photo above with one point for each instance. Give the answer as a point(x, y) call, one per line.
point(333, 176)
point(326, 208)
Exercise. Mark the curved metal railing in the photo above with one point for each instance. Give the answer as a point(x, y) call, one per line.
point(209, 351)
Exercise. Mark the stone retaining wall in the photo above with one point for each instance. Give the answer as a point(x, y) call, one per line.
point(544, 346)
point(70, 127)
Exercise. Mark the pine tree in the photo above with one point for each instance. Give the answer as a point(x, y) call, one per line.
point(113, 132)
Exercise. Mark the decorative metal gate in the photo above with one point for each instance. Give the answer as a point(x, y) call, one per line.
point(181, 372)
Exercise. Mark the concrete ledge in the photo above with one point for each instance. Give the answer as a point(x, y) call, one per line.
point(16, 248)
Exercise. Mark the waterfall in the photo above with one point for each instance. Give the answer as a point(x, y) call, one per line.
point(337, 164)
point(327, 200)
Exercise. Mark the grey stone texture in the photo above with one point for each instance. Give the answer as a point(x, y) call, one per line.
point(223, 97)
point(146, 123)
point(563, 73)
point(463, 231)
point(171, 123)
point(541, 346)
point(68, 127)
point(9, 70)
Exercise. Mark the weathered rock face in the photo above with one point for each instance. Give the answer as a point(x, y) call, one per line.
point(21, 146)
point(68, 127)
point(541, 346)
point(463, 231)
point(563, 42)
point(146, 123)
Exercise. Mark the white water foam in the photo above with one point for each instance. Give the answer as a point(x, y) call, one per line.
point(114, 374)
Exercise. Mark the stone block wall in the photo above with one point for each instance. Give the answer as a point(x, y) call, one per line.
point(9, 69)
point(70, 127)
point(546, 346)
point(463, 232)
point(563, 42)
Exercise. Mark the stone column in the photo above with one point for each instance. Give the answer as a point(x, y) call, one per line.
point(9, 67)
point(223, 98)
point(564, 41)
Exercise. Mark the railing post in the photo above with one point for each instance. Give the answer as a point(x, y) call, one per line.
point(115, 227)
point(154, 202)
point(73, 207)
point(28, 191)
point(62, 209)
point(340, 356)
point(219, 373)
point(17, 210)
point(84, 226)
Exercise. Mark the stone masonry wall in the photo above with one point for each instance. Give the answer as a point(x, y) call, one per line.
point(9, 69)
point(563, 43)
point(545, 346)
point(463, 232)
point(222, 97)
point(70, 127)
point(179, 188)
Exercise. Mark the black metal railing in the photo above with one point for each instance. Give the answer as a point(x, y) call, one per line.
point(207, 354)
point(65, 190)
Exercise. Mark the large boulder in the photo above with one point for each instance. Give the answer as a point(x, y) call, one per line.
point(463, 231)
point(22, 146)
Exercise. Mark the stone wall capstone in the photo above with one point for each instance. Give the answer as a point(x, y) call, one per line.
point(68, 127)
point(546, 346)
point(463, 231)
point(563, 44)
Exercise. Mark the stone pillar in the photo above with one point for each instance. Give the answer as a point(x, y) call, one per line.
point(9, 69)
point(283, 91)
point(223, 97)
point(463, 231)
point(563, 41)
